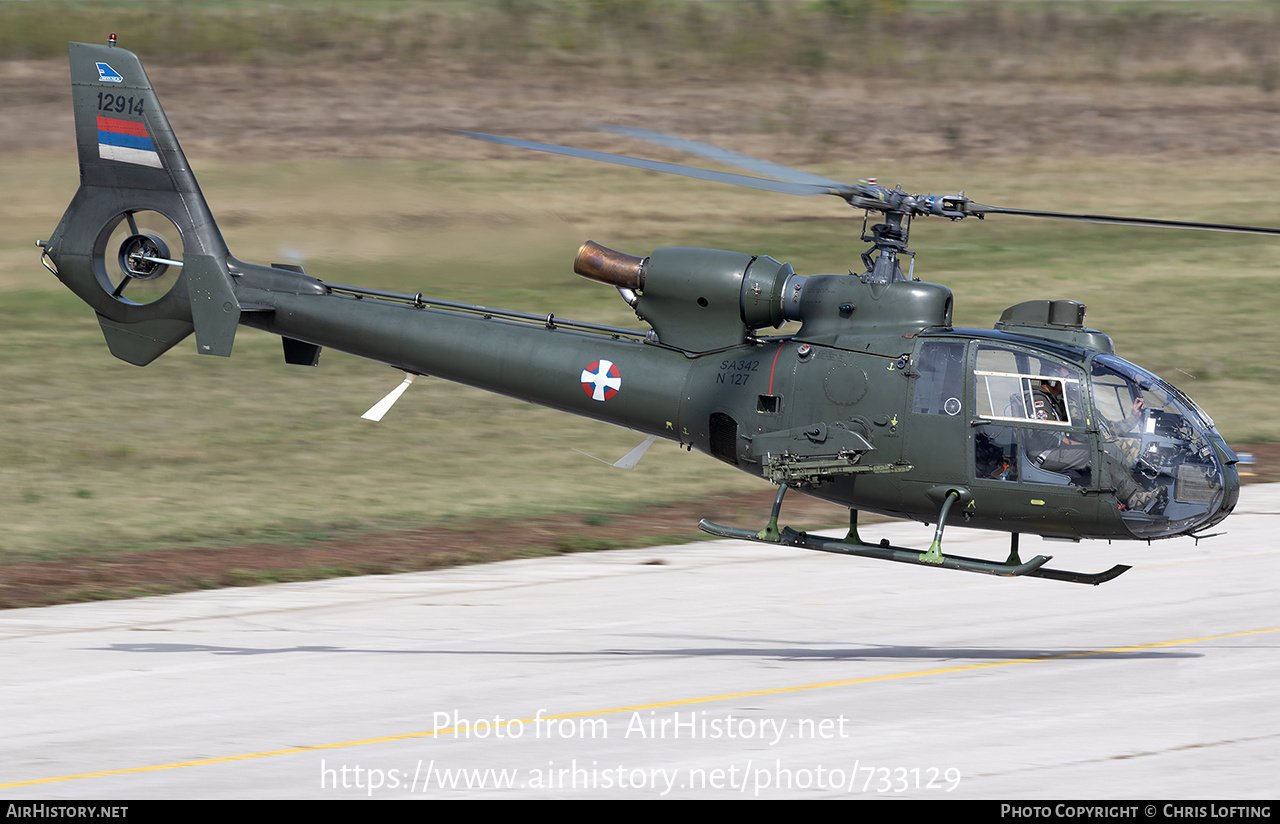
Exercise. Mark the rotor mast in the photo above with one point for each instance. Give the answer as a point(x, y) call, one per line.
point(888, 240)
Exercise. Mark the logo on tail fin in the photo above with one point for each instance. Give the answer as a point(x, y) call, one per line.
point(107, 74)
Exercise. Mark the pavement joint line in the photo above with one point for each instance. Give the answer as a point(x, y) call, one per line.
point(634, 708)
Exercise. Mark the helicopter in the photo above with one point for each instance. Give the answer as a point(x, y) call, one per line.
point(876, 403)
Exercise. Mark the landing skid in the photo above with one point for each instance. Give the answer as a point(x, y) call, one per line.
point(883, 551)
point(1014, 567)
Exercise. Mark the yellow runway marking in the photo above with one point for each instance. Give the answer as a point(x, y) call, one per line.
point(681, 702)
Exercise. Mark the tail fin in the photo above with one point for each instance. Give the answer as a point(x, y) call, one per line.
point(138, 243)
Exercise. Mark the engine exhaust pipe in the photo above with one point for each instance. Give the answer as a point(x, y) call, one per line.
point(607, 266)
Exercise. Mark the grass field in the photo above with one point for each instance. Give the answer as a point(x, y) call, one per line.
point(97, 456)
point(642, 41)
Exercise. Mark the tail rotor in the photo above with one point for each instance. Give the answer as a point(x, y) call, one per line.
point(141, 260)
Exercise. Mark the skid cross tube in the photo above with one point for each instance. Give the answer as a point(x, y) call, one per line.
point(934, 553)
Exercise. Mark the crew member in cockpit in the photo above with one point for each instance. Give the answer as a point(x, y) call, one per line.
point(1124, 438)
point(1052, 451)
point(1065, 455)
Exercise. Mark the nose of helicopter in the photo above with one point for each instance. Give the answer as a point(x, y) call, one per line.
point(1173, 472)
point(1186, 511)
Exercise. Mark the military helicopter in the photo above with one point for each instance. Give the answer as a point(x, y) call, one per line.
point(876, 403)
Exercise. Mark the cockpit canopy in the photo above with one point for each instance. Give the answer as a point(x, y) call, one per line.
point(1165, 442)
point(1110, 425)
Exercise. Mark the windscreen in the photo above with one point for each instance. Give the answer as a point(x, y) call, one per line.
point(1158, 447)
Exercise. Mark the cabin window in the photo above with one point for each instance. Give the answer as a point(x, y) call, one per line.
point(940, 381)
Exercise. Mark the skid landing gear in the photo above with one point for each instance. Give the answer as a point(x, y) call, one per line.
point(852, 544)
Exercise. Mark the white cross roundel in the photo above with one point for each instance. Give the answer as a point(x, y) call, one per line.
point(601, 380)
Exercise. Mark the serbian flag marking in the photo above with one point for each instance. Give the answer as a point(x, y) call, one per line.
point(601, 380)
point(126, 141)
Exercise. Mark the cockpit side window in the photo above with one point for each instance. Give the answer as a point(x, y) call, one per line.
point(1033, 402)
point(1013, 385)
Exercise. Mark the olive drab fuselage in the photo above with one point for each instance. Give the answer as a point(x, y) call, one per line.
point(875, 403)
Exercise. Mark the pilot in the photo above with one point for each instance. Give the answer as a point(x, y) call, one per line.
point(1124, 438)
point(1063, 454)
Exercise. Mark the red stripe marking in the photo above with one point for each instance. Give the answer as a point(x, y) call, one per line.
point(773, 367)
point(133, 127)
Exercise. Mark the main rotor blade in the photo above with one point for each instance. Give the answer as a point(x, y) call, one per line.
point(727, 157)
point(972, 208)
point(785, 187)
point(859, 195)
